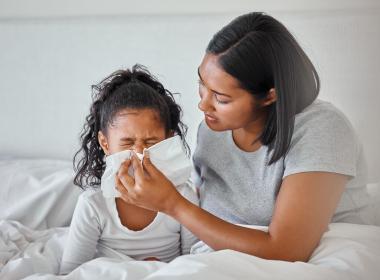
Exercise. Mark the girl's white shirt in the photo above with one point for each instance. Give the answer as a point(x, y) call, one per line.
point(96, 229)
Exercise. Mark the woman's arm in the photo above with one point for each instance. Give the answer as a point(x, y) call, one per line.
point(304, 207)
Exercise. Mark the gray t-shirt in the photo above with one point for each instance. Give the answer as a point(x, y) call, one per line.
point(241, 188)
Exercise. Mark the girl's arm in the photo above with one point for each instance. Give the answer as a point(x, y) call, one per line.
point(83, 236)
point(304, 207)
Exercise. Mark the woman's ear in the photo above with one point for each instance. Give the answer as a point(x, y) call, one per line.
point(270, 98)
point(102, 139)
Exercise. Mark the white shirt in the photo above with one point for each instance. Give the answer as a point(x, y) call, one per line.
point(96, 231)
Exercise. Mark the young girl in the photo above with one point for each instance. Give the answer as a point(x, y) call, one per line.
point(132, 113)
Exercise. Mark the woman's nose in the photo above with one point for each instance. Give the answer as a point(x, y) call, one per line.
point(204, 104)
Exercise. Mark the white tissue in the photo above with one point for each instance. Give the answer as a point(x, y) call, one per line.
point(168, 156)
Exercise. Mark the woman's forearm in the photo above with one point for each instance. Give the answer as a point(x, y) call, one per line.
point(219, 234)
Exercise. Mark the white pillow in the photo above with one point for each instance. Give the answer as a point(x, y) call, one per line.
point(39, 193)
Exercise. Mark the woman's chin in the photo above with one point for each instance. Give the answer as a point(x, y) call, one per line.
point(214, 124)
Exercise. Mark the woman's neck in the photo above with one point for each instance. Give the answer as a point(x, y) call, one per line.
point(247, 138)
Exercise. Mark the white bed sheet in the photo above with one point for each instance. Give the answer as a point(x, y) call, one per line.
point(39, 193)
point(346, 251)
point(37, 201)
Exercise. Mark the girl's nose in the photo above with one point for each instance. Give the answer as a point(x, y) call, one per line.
point(138, 148)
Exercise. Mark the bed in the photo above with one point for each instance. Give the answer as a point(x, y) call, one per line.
point(37, 200)
point(47, 65)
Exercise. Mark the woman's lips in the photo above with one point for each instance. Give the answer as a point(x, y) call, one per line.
point(210, 118)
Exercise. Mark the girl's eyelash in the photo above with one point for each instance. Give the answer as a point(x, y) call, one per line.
point(126, 145)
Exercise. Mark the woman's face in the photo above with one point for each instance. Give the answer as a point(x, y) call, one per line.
point(225, 104)
point(132, 129)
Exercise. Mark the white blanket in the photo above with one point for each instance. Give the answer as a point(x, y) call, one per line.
point(39, 193)
point(346, 251)
point(37, 199)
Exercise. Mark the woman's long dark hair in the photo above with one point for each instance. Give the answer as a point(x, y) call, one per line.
point(123, 89)
point(261, 54)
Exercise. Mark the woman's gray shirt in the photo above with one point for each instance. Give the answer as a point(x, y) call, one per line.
point(241, 188)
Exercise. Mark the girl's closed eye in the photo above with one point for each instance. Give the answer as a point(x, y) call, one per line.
point(127, 144)
point(150, 143)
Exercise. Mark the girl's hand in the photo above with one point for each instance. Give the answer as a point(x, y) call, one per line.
point(149, 189)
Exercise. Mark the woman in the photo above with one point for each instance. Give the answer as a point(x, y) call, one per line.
point(268, 153)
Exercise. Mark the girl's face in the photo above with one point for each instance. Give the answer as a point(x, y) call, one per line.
point(225, 104)
point(132, 129)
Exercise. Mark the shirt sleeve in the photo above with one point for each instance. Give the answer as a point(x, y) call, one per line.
point(83, 236)
point(323, 141)
point(187, 237)
point(195, 177)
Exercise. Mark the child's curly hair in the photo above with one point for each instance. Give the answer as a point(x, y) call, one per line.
point(132, 89)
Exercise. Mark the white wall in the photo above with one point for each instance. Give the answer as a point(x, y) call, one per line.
point(51, 54)
point(79, 8)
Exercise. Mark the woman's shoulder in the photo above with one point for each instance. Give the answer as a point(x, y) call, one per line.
point(323, 140)
point(321, 113)
point(323, 120)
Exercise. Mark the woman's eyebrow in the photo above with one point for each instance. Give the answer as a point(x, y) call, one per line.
point(216, 92)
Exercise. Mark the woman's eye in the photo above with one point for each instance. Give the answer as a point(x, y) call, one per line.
point(219, 101)
point(217, 97)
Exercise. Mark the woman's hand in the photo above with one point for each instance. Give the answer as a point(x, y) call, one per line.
point(149, 188)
